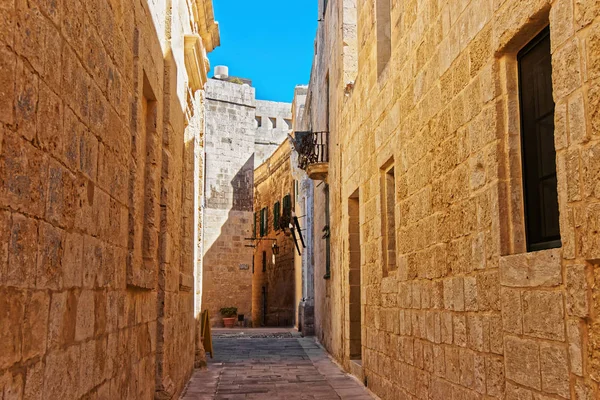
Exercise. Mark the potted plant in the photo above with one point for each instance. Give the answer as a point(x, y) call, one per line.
point(229, 315)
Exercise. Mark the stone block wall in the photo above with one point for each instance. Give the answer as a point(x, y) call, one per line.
point(93, 297)
point(272, 182)
point(304, 209)
point(228, 211)
point(233, 143)
point(468, 313)
point(275, 125)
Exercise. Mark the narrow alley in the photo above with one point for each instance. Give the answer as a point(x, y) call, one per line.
point(271, 364)
point(391, 199)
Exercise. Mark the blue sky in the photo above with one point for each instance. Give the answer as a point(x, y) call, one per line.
point(270, 42)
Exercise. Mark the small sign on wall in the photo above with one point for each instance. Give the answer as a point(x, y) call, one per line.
point(244, 267)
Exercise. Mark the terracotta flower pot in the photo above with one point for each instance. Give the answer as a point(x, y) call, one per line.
point(229, 322)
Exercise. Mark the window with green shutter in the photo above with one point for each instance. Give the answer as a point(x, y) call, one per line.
point(266, 220)
point(287, 206)
point(262, 222)
point(254, 227)
point(276, 214)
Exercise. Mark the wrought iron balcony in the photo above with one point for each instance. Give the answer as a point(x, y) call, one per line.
point(313, 153)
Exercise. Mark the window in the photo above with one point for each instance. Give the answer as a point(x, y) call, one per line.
point(537, 141)
point(288, 123)
point(142, 266)
point(325, 2)
point(388, 205)
point(264, 222)
point(276, 214)
point(354, 276)
point(264, 261)
point(259, 121)
point(254, 227)
point(287, 206)
point(384, 34)
point(273, 122)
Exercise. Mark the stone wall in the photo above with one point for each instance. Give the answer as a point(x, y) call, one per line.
point(233, 143)
point(228, 210)
point(95, 300)
point(275, 121)
point(467, 313)
point(272, 182)
point(303, 207)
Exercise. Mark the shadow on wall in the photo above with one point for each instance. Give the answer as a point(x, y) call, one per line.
point(274, 280)
point(227, 264)
point(274, 284)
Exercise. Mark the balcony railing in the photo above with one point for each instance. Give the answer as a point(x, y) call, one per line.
point(312, 148)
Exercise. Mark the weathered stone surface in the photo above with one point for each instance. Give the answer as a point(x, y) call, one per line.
point(522, 362)
point(22, 247)
point(577, 300)
point(543, 315)
point(49, 257)
point(61, 376)
point(514, 392)
point(531, 270)
point(69, 89)
point(446, 113)
point(35, 324)
point(7, 79)
point(555, 369)
point(575, 339)
point(23, 176)
point(34, 382)
point(512, 310)
point(12, 313)
point(495, 380)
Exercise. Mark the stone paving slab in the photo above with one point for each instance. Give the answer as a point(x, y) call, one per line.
point(271, 365)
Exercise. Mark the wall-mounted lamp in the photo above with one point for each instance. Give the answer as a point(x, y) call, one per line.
point(275, 248)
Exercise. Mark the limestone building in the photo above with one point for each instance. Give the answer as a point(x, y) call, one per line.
point(303, 208)
point(100, 131)
point(239, 131)
point(273, 276)
point(461, 196)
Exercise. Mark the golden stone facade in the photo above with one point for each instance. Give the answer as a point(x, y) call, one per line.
point(426, 190)
point(273, 275)
point(100, 131)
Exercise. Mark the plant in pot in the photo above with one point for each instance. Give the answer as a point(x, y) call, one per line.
point(229, 315)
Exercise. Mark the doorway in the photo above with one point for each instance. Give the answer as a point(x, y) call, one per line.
point(354, 278)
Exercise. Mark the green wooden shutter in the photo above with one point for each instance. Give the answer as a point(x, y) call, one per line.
point(254, 227)
point(287, 205)
point(276, 214)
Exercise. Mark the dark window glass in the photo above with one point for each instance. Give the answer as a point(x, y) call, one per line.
point(538, 152)
point(287, 206)
point(264, 261)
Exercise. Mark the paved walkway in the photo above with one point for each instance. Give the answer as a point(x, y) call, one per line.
point(271, 364)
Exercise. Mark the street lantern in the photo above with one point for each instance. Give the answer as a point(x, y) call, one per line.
point(275, 248)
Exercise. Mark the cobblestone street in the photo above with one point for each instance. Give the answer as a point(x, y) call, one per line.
point(266, 365)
